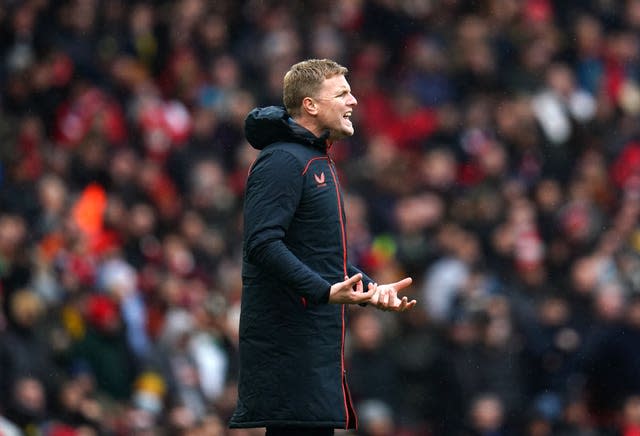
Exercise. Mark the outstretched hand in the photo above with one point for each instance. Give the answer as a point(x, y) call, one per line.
point(350, 291)
point(385, 297)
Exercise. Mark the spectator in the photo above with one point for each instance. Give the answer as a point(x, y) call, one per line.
point(486, 416)
point(24, 349)
point(27, 404)
point(104, 348)
point(631, 417)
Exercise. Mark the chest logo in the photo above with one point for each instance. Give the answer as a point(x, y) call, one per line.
point(320, 179)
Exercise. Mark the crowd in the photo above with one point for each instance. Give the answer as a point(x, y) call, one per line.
point(496, 160)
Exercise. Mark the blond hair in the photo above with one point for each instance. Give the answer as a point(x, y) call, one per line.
point(304, 79)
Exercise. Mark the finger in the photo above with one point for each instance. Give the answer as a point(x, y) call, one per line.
point(411, 304)
point(359, 286)
point(402, 283)
point(376, 294)
point(403, 304)
point(349, 282)
point(382, 292)
point(378, 297)
point(362, 297)
point(394, 303)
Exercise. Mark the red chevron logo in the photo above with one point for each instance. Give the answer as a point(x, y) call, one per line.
point(319, 179)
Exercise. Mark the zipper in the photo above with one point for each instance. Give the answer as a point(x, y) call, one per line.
point(350, 401)
point(343, 231)
point(345, 390)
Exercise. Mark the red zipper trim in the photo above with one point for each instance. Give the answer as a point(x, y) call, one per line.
point(343, 377)
point(251, 167)
point(309, 163)
point(342, 228)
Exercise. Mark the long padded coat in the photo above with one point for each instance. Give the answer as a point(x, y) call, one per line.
point(292, 369)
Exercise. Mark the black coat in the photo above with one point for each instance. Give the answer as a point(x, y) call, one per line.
point(292, 370)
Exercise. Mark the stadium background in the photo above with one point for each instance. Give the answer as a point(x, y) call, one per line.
point(496, 160)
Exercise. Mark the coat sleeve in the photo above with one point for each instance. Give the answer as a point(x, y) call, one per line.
point(351, 270)
point(273, 192)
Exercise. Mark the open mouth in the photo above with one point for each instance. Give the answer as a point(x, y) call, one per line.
point(347, 115)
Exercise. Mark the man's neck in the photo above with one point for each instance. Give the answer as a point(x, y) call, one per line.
point(309, 124)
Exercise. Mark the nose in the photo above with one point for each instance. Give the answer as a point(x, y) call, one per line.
point(352, 100)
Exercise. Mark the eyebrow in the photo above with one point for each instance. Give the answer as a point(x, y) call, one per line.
point(342, 91)
point(337, 93)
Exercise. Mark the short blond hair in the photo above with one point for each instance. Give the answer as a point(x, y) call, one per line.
point(304, 79)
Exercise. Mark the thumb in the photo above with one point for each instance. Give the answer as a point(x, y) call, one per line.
point(353, 279)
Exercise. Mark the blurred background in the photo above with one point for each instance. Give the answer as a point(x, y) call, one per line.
point(496, 160)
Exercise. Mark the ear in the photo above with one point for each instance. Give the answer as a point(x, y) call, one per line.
point(309, 106)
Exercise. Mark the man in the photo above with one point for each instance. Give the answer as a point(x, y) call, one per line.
point(296, 274)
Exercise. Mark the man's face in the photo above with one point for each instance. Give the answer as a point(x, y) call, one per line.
point(335, 105)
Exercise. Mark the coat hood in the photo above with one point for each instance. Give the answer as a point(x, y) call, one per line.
point(266, 125)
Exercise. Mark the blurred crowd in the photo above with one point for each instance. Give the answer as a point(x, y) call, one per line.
point(496, 160)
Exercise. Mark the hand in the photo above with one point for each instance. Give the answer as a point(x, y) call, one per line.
point(344, 292)
point(385, 297)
